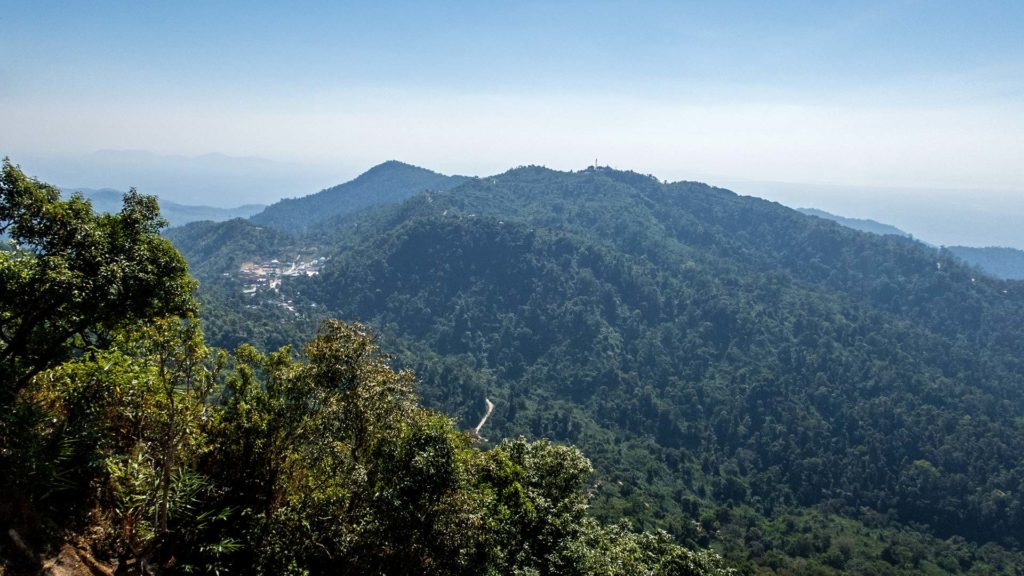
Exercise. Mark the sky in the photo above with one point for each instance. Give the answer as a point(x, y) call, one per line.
point(894, 95)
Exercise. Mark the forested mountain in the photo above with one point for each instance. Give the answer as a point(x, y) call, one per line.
point(809, 398)
point(999, 261)
point(218, 247)
point(108, 200)
point(862, 224)
point(128, 446)
point(386, 183)
point(231, 317)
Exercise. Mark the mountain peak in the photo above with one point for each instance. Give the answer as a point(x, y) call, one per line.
point(393, 164)
point(394, 167)
point(386, 183)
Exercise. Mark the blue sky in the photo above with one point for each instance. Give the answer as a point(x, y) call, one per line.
point(897, 93)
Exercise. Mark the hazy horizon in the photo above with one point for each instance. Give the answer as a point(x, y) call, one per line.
point(944, 217)
point(237, 103)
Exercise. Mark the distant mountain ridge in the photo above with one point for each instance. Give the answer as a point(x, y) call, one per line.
point(387, 183)
point(862, 224)
point(1000, 261)
point(110, 200)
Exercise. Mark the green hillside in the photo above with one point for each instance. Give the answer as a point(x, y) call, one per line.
point(219, 247)
point(128, 446)
point(738, 372)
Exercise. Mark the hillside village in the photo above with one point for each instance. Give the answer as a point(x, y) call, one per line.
point(266, 275)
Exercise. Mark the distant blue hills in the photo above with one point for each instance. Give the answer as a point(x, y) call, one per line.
point(862, 224)
point(110, 200)
point(999, 261)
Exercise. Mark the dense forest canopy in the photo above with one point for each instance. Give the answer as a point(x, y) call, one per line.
point(74, 276)
point(806, 397)
point(128, 444)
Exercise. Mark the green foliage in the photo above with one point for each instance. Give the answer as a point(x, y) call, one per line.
point(159, 454)
point(707, 351)
point(231, 318)
point(74, 276)
point(747, 383)
point(821, 540)
point(179, 458)
point(129, 423)
point(224, 246)
point(335, 467)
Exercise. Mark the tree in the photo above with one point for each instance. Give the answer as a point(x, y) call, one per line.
point(71, 276)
